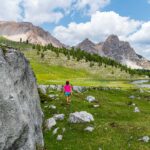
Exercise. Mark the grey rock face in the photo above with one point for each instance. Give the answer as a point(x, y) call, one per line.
point(20, 111)
point(87, 45)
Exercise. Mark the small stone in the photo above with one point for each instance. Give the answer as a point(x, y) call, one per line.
point(133, 104)
point(136, 109)
point(59, 116)
point(59, 137)
point(90, 129)
point(96, 106)
point(145, 139)
point(53, 96)
point(50, 123)
point(132, 97)
point(55, 131)
point(90, 98)
point(52, 106)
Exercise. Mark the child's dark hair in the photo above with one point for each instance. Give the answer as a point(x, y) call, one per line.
point(67, 82)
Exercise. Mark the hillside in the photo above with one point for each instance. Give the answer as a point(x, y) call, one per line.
point(51, 67)
point(25, 31)
point(116, 125)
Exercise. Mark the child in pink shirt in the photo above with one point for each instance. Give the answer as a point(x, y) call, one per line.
point(67, 91)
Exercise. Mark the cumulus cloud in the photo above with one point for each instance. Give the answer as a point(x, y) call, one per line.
point(142, 35)
point(45, 11)
point(97, 29)
point(10, 10)
point(90, 6)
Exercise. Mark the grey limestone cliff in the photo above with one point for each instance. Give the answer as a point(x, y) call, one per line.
point(20, 111)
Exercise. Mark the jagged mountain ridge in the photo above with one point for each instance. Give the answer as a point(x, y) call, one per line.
point(27, 31)
point(120, 51)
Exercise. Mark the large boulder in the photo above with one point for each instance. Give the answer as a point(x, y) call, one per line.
point(20, 111)
point(80, 117)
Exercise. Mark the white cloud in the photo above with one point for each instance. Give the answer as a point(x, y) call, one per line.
point(142, 36)
point(148, 1)
point(97, 29)
point(46, 11)
point(39, 12)
point(91, 6)
point(10, 10)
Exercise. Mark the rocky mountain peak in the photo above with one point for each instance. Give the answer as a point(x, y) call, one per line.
point(112, 39)
point(87, 45)
point(120, 51)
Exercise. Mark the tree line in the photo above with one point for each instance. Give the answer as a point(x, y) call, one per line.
point(79, 54)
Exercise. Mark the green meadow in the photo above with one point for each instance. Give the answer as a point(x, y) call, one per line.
point(116, 126)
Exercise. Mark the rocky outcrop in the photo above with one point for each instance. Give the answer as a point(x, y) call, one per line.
point(24, 31)
point(20, 111)
point(120, 51)
point(87, 45)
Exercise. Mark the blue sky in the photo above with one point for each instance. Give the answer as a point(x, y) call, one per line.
point(135, 9)
point(71, 21)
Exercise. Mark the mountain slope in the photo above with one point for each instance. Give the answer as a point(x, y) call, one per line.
point(120, 51)
point(24, 31)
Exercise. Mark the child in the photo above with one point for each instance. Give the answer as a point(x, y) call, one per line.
point(67, 91)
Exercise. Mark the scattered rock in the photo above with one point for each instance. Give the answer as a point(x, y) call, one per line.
point(132, 97)
point(136, 109)
point(59, 137)
point(80, 117)
point(59, 116)
point(55, 131)
point(145, 139)
point(90, 98)
point(43, 88)
point(52, 106)
point(53, 96)
point(90, 129)
point(79, 89)
point(96, 106)
point(133, 104)
point(50, 123)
